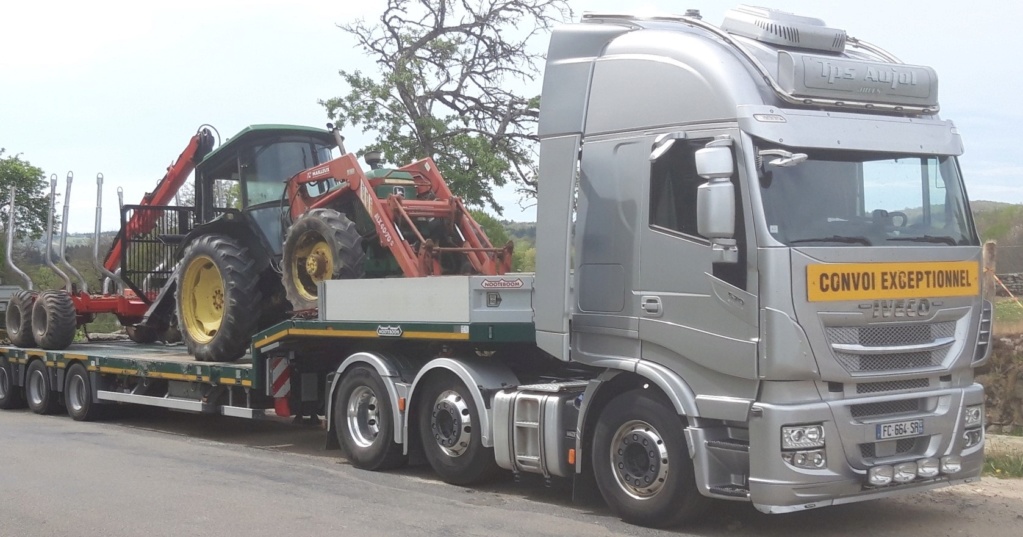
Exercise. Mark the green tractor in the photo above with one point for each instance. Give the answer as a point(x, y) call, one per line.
point(274, 214)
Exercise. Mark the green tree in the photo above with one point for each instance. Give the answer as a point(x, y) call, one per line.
point(444, 89)
point(32, 199)
point(491, 226)
point(32, 202)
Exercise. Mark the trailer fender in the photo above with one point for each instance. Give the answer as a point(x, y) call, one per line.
point(479, 377)
point(390, 371)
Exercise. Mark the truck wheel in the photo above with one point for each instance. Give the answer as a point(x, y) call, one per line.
point(53, 320)
point(364, 422)
point(218, 298)
point(449, 427)
point(641, 462)
point(41, 397)
point(11, 396)
point(19, 318)
point(78, 395)
point(322, 245)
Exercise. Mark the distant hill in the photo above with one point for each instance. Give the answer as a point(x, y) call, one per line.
point(1002, 223)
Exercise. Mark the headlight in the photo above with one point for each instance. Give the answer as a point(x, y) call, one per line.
point(802, 437)
point(880, 476)
point(814, 460)
point(974, 415)
point(905, 472)
point(927, 467)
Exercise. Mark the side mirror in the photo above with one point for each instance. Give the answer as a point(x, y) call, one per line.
point(715, 201)
point(714, 162)
point(715, 218)
point(715, 209)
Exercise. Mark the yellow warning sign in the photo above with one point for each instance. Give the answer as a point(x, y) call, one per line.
point(870, 281)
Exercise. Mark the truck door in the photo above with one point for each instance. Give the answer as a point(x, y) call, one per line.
point(696, 316)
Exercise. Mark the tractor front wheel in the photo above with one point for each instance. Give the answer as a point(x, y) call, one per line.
point(322, 245)
point(218, 298)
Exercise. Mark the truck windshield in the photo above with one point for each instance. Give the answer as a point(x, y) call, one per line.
point(855, 198)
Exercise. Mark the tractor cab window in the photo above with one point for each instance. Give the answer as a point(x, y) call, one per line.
point(266, 167)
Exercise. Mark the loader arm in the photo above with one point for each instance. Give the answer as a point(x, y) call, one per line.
point(143, 222)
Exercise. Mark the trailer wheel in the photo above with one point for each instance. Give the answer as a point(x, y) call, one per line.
point(364, 422)
point(53, 320)
point(449, 427)
point(218, 298)
point(38, 389)
point(78, 395)
point(641, 462)
point(11, 396)
point(19, 318)
point(321, 245)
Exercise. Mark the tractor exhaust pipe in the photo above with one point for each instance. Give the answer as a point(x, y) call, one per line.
point(83, 285)
point(48, 254)
point(10, 242)
point(110, 276)
point(337, 137)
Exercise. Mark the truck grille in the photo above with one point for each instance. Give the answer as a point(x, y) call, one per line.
point(892, 386)
point(905, 445)
point(879, 346)
point(886, 408)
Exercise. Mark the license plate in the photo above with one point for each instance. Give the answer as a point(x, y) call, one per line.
point(900, 429)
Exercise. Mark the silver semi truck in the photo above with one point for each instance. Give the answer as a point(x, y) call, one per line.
point(757, 280)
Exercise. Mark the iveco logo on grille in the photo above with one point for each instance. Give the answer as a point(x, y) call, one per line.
point(913, 307)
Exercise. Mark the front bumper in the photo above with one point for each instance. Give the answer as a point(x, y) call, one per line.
point(852, 448)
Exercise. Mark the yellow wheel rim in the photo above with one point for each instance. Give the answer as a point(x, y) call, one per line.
point(202, 299)
point(313, 262)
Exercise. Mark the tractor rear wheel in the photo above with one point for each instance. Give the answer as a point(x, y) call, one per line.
point(322, 245)
point(19, 318)
point(218, 298)
point(53, 320)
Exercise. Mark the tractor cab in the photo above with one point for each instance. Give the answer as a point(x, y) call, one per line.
point(248, 174)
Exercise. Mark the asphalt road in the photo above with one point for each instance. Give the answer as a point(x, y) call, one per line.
point(163, 473)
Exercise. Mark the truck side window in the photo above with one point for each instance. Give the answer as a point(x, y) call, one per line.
point(673, 184)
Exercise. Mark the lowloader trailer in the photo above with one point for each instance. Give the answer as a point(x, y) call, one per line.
point(757, 280)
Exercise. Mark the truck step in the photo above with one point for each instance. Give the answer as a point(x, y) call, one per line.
point(731, 491)
point(729, 445)
point(554, 387)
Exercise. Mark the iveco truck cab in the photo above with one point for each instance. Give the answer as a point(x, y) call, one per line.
point(766, 221)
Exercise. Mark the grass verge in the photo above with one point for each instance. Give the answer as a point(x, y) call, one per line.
point(1003, 456)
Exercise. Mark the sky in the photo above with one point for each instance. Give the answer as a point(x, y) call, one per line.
point(118, 87)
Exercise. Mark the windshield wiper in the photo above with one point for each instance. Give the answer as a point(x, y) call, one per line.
point(927, 238)
point(835, 238)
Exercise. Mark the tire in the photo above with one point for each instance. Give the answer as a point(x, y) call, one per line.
point(39, 390)
point(364, 421)
point(218, 298)
point(11, 396)
point(53, 320)
point(19, 319)
point(78, 395)
point(322, 245)
point(641, 462)
point(449, 428)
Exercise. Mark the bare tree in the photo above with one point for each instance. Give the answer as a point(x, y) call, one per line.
point(446, 88)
